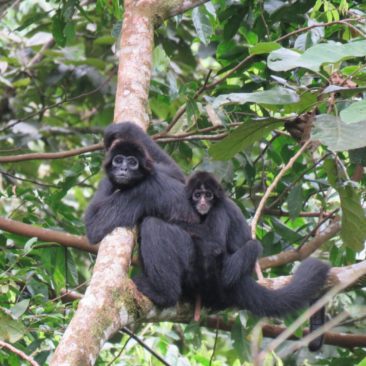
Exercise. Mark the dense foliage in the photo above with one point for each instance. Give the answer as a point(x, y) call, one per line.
point(253, 75)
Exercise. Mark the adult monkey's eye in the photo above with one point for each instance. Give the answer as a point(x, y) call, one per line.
point(209, 195)
point(132, 162)
point(196, 195)
point(118, 160)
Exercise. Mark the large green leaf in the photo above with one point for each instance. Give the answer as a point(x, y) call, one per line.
point(337, 135)
point(10, 330)
point(356, 112)
point(276, 96)
point(314, 57)
point(244, 136)
point(353, 231)
point(202, 24)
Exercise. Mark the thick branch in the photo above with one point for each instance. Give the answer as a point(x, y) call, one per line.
point(135, 64)
point(106, 306)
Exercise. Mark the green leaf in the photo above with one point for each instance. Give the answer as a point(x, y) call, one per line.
point(276, 96)
point(353, 230)
point(244, 136)
point(20, 308)
point(21, 83)
point(202, 24)
point(105, 40)
point(192, 110)
point(358, 156)
point(30, 20)
point(314, 57)
point(295, 201)
point(241, 344)
point(337, 135)
point(288, 235)
point(356, 112)
point(264, 47)
point(58, 25)
point(330, 169)
point(283, 59)
point(10, 330)
point(362, 363)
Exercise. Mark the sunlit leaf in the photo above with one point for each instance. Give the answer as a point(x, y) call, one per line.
point(277, 96)
point(202, 24)
point(356, 112)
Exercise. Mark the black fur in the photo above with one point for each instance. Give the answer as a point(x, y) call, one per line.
point(154, 198)
point(129, 131)
point(225, 260)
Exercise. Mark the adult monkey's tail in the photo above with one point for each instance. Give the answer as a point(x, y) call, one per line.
point(307, 281)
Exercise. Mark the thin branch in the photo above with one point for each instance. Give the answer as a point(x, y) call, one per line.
point(74, 241)
point(273, 185)
point(29, 180)
point(185, 6)
point(297, 31)
point(46, 156)
point(216, 137)
point(306, 250)
point(280, 212)
point(18, 352)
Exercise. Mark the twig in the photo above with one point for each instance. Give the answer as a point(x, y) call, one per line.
point(215, 343)
point(313, 335)
point(29, 180)
point(18, 352)
point(274, 184)
point(120, 352)
point(318, 225)
point(143, 344)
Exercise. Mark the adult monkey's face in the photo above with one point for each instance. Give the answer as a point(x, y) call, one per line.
point(124, 168)
point(127, 163)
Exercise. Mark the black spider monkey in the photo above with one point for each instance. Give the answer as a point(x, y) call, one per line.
point(143, 185)
point(226, 257)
